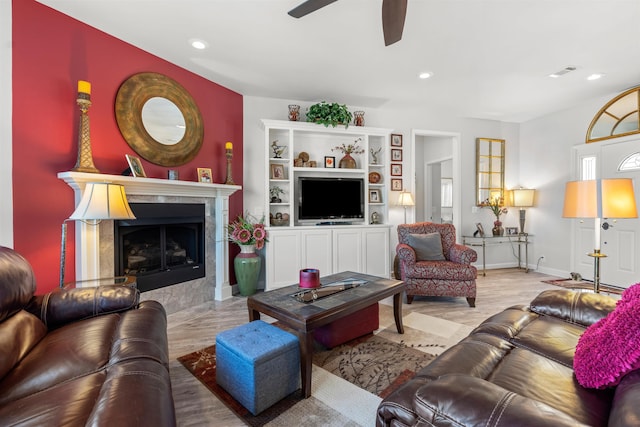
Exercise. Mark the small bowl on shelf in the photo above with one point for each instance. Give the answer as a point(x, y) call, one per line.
point(276, 222)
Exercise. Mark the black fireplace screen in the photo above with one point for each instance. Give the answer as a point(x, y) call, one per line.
point(164, 245)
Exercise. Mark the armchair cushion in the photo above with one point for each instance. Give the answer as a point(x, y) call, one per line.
point(428, 247)
point(609, 349)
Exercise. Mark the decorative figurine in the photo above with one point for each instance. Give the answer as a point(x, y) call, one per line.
point(277, 149)
point(374, 155)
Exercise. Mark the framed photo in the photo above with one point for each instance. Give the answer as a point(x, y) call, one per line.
point(396, 184)
point(396, 169)
point(204, 175)
point(512, 231)
point(375, 195)
point(396, 140)
point(396, 155)
point(136, 167)
point(277, 171)
point(329, 162)
point(479, 230)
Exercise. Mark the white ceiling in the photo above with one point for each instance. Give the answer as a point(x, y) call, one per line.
point(490, 58)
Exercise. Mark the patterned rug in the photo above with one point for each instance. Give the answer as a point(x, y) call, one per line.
point(583, 284)
point(348, 381)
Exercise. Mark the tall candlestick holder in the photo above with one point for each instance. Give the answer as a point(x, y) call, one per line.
point(229, 155)
point(84, 163)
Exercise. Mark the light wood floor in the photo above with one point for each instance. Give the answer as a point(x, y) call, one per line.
point(195, 328)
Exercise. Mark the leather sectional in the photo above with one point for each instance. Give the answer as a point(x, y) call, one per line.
point(80, 357)
point(516, 369)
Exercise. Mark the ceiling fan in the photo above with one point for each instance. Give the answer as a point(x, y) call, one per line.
point(393, 15)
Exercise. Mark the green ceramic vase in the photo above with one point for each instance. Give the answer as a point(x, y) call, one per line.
point(247, 267)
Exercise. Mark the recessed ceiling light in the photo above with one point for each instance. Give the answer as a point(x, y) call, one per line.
point(562, 72)
point(595, 76)
point(425, 75)
point(198, 44)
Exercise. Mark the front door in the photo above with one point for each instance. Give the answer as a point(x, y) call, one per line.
point(620, 238)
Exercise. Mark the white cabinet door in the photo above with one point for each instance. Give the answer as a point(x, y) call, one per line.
point(347, 250)
point(316, 250)
point(283, 258)
point(375, 246)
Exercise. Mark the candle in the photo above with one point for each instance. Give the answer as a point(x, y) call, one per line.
point(84, 87)
point(228, 146)
point(596, 242)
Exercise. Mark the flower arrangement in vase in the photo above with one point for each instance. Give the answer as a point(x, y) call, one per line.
point(347, 161)
point(496, 205)
point(244, 232)
point(249, 236)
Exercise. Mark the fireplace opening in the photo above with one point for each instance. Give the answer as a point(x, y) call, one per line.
point(163, 246)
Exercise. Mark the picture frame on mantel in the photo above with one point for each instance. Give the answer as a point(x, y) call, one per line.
point(204, 175)
point(135, 165)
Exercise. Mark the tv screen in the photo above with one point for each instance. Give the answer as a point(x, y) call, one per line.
point(330, 199)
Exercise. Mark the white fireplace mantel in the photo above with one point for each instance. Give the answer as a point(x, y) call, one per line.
point(87, 239)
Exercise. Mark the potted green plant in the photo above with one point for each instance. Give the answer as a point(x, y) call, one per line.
point(329, 114)
point(275, 193)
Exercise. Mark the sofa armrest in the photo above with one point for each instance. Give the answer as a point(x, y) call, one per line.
point(64, 306)
point(462, 254)
point(582, 308)
point(456, 399)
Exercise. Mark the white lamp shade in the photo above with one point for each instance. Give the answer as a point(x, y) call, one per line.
point(601, 198)
point(103, 200)
point(522, 197)
point(405, 199)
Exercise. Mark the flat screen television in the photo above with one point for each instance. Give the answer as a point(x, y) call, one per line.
point(330, 200)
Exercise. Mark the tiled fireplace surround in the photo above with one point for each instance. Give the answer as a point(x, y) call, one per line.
point(95, 245)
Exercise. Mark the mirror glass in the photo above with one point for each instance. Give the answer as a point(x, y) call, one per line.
point(163, 120)
point(489, 170)
point(159, 119)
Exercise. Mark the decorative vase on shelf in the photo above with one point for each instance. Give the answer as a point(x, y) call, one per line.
point(347, 162)
point(358, 118)
point(497, 228)
point(247, 267)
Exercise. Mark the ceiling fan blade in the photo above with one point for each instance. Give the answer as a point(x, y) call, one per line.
point(393, 15)
point(309, 6)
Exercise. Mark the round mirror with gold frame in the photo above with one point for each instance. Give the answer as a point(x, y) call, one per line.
point(153, 104)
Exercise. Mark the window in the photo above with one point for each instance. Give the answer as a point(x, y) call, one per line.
point(588, 168)
point(619, 117)
point(631, 163)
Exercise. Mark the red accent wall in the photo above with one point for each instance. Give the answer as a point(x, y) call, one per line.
point(51, 52)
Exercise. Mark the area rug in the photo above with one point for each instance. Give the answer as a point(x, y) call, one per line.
point(348, 381)
point(583, 284)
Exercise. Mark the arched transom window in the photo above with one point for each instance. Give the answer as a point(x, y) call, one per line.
point(630, 163)
point(618, 118)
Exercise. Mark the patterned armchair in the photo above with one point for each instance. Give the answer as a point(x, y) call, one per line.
point(433, 268)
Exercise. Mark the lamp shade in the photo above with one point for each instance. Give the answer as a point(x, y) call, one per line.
point(405, 199)
point(103, 200)
point(600, 198)
point(522, 197)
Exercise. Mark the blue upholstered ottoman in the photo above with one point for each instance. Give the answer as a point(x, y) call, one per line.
point(258, 364)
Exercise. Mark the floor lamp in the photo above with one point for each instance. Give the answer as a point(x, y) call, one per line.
point(405, 200)
point(597, 199)
point(100, 200)
point(522, 198)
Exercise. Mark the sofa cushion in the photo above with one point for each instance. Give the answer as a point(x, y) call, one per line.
point(428, 247)
point(18, 334)
point(609, 349)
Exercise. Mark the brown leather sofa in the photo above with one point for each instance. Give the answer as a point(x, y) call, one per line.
point(516, 369)
point(80, 357)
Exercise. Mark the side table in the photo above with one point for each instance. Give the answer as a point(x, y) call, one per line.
point(484, 241)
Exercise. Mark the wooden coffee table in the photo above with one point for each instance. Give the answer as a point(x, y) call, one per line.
point(303, 318)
